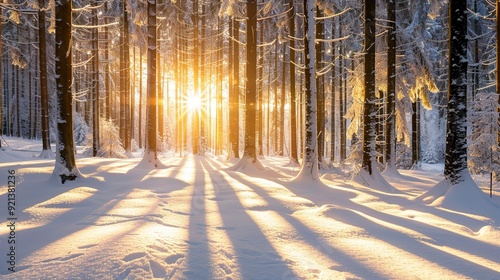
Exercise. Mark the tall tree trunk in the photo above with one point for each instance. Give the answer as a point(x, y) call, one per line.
point(309, 170)
point(282, 101)
point(455, 165)
point(260, 118)
point(234, 98)
point(65, 166)
point(95, 81)
point(150, 154)
point(107, 73)
point(369, 108)
point(44, 95)
point(125, 82)
point(390, 128)
point(320, 93)
point(293, 101)
point(251, 82)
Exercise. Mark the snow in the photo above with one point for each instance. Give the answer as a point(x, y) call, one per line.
point(195, 218)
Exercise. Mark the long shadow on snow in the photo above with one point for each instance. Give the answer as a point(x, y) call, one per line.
point(347, 263)
point(89, 210)
point(436, 235)
point(198, 261)
point(253, 250)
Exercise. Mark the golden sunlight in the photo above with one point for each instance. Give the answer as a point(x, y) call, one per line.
point(193, 102)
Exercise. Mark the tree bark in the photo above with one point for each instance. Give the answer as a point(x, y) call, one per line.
point(95, 81)
point(234, 103)
point(456, 135)
point(293, 97)
point(369, 108)
point(44, 95)
point(320, 92)
point(65, 161)
point(150, 154)
point(390, 128)
point(251, 82)
point(309, 170)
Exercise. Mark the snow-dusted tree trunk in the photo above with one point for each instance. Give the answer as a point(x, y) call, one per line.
point(44, 95)
point(95, 82)
point(456, 134)
point(369, 108)
point(293, 109)
point(251, 84)
point(390, 145)
point(125, 94)
point(65, 166)
point(309, 168)
point(234, 95)
point(150, 155)
point(320, 87)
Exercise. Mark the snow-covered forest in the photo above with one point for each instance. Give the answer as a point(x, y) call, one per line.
point(198, 139)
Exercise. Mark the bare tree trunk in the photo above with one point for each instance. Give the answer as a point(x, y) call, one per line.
point(455, 165)
point(369, 109)
point(320, 92)
point(44, 95)
point(95, 81)
point(65, 166)
point(309, 170)
point(390, 128)
point(150, 153)
point(293, 101)
point(234, 103)
point(251, 84)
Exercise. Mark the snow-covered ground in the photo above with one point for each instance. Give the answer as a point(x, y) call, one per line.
point(196, 219)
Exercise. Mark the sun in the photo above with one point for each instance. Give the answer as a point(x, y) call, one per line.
point(193, 102)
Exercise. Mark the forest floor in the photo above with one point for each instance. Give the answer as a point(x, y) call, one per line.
point(196, 219)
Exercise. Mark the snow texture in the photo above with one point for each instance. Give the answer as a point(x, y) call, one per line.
point(197, 219)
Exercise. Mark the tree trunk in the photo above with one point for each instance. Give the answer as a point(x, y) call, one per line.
point(293, 101)
point(150, 154)
point(369, 108)
point(125, 82)
point(95, 81)
point(65, 161)
point(320, 93)
point(44, 95)
point(455, 165)
point(234, 98)
point(260, 118)
point(390, 127)
point(309, 170)
point(251, 82)
point(282, 101)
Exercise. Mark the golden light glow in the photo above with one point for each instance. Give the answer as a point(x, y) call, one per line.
point(193, 102)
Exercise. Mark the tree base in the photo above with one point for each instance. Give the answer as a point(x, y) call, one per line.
point(465, 196)
point(374, 181)
point(47, 154)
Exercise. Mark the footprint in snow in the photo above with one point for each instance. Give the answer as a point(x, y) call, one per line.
point(133, 256)
point(173, 258)
point(157, 269)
